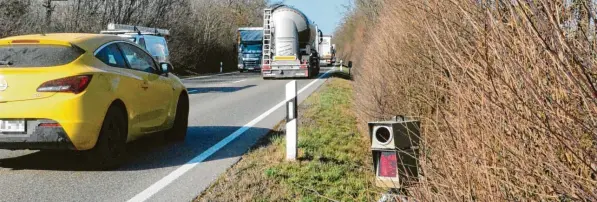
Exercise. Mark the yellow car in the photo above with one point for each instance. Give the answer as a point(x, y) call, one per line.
point(86, 92)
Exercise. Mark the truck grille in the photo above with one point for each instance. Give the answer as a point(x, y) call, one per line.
point(252, 64)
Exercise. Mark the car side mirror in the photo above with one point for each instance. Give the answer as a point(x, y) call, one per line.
point(349, 64)
point(166, 67)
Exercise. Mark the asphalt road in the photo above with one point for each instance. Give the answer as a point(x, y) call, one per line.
point(229, 113)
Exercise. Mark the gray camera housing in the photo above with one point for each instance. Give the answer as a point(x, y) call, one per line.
point(403, 134)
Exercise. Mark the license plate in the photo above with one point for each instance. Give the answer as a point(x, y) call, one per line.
point(12, 126)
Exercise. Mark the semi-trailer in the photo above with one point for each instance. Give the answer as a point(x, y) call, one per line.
point(290, 43)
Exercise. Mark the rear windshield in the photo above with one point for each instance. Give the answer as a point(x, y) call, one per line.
point(37, 55)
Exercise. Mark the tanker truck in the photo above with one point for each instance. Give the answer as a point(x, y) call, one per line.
point(290, 44)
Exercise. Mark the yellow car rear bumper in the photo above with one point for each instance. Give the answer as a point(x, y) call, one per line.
point(80, 122)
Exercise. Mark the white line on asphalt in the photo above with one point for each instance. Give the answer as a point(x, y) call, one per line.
point(159, 185)
point(239, 81)
point(207, 76)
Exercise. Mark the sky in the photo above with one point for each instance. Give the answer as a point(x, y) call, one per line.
point(325, 13)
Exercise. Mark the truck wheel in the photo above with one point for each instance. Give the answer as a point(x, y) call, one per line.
point(110, 148)
point(181, 121)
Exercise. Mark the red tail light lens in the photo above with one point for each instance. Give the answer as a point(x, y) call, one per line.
point(266, 67)
point(74, 84)
point(388, 164)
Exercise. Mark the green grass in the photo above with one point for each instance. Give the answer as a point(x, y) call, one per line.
point(333, 160)
point(332, 153)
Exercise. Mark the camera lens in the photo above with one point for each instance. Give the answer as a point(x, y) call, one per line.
point(382, 134)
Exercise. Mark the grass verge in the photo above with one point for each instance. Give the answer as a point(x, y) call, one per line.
point(333, 159)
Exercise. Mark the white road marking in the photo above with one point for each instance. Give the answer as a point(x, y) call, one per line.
point(201, 77)
point(159, 185)
point(239, 81)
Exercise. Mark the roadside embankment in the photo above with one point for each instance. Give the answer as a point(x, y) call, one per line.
point(506, 92)
point(333, 161)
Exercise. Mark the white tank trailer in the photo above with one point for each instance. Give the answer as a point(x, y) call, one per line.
point(290, 44)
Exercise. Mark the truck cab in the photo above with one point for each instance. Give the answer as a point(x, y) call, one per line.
point(151, 39)
point(250, 48)
point(249, 57)
point(327, 51)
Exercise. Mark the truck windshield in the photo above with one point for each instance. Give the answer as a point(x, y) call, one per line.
point(252, 48)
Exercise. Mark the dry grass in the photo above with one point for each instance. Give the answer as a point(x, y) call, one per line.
point(504, 89)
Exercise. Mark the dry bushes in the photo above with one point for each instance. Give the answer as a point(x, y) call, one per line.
point(203, 31)
point(505, 90)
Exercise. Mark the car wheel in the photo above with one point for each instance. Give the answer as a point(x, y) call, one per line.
point(181, 121)
point(110, 148)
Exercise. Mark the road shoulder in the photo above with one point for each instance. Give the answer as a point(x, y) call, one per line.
point(333, 157)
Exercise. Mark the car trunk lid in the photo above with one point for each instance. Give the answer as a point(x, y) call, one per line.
point(25, 64)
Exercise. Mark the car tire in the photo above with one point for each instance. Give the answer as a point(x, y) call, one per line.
point(178, 132)
point(110, 149)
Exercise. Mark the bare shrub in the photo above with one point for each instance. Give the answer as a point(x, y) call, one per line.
point(203, 31)
point(505, 90)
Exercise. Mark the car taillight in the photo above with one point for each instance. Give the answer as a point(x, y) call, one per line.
point(266, 67)
point(74, 84)
point(388, 164)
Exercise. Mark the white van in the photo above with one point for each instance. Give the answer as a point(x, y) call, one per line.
point(152, 39)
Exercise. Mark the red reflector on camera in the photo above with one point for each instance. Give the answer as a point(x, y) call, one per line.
point(388, 164)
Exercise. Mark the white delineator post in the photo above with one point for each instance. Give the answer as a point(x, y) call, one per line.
point(291, 121)
point(221, 67)
point(341, 64)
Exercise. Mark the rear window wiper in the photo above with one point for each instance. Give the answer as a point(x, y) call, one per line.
point(5, 62)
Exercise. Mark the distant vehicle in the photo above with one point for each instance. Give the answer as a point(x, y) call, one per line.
point(250, 44)
point(327, 51)
point(152, 39)
point(86, 92)
point(290, 44)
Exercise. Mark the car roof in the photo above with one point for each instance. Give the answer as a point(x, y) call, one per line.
point(88, 42)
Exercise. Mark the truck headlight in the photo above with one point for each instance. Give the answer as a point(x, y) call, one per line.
point(240, 66)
